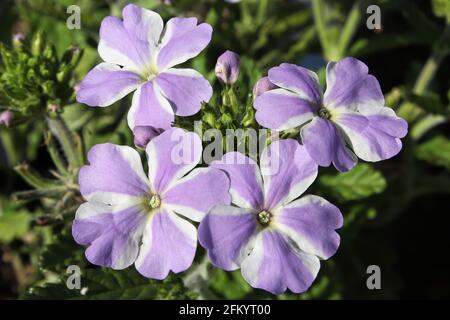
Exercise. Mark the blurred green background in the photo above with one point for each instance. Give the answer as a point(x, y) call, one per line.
point(396, 212)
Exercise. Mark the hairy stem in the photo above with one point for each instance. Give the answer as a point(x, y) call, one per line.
point(67, 140)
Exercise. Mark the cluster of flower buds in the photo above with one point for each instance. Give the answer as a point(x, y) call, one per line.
point(34, 81)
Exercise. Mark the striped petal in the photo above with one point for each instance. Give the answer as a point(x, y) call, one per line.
point(350, 86)
point(370, 140)
point(280, 109)
point(326, 145)
point(311, 222)
point(118, 46)
point(169, 244)
point(143, 24)
point(106, 84)
point(275, 265)
point(114, 175)
point(225, 233)
point(113, 233)
point(246, 181)
point(287, 171)
point(185, 89)
point(150, 108)
point(304, 82)
point(183, 39)
point(170, 156)
point(195, 194)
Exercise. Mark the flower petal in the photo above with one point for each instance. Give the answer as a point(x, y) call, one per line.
point(169, 244)
point(246, 181)
point(224, 232)
point(369, 142)
point(195, 194)
point(113, 233)
point(275, 265)
point(150, 108)
point(311, 222)
point(385, 119)
point(280, 109)
point(145, 25)
point(350, 86)
point(182, 40)
point(302, 81)
point(170, 156)
point(118, 46)
point(287, 171)
point(185, 89)
point(114, 176)
point(326, 145)
point(106, 84)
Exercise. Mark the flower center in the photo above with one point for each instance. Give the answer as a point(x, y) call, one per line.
point(155, 201)
point(150, 72)
point(264, 217)
point(323, 113)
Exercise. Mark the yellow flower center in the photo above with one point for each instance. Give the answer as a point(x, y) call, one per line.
point(264, 217)
point(155, 201)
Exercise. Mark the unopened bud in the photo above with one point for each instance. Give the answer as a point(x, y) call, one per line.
point(227, 67)
point(144, 134)
point(262, 86)
point(6, 118)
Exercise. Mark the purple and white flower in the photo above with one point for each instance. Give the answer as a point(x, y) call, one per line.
point(131, 218)
point(275, 239)
point(349, 120)
point(140, 56)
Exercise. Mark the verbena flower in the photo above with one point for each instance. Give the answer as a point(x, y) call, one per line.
point(139, 55)
point(349, 119)
point(275, 240)
point(129, 218)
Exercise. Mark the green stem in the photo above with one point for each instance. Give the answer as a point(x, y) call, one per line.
point(426, 76)
point(349, 30)
point(52, 149)
point(33, 178)
point(67, 140)
point(317, 7)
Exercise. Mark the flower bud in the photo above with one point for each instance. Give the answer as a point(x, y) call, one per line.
point(144, 134)
point(227, 67)
point(263, 85)
point(6, 118)
point(17, 39)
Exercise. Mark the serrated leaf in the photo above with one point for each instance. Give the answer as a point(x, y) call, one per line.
point(359, 183)
point(106, 284)
point(14, 222)
point(435, 151)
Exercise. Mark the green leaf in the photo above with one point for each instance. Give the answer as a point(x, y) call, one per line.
point(427, 101)
point(106, 284)
point(441, 8)
point(61, 253)
point(359, 183)
point(14, 222)
point(435, 151)
point(230, 284)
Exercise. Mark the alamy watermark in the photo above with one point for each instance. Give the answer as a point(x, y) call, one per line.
point(374, 280)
